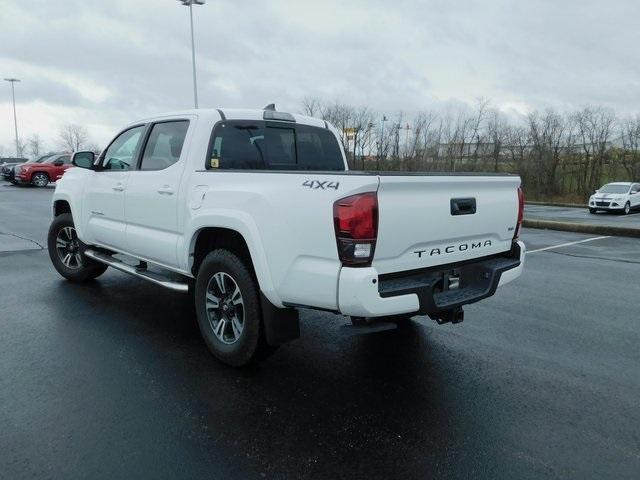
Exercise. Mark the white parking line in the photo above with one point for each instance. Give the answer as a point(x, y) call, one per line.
point(567, 244)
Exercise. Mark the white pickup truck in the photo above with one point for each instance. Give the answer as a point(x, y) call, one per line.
point(255, 213)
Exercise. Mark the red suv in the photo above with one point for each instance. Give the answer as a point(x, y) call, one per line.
point(40, 174)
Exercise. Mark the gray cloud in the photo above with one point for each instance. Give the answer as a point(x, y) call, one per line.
point(103, 63)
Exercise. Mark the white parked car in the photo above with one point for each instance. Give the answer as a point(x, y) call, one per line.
point(255, 213)
point(618, 197)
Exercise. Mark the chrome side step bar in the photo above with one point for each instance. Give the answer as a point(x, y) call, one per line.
point(153, 277)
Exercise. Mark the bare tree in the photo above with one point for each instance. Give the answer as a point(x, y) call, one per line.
point(421, 142)
point(595, 126)
point(73, 137)
point(497, 133)
point(547, 132)
point(312, 106)
point(630, 137)
point(361, 125)
point(35, 145)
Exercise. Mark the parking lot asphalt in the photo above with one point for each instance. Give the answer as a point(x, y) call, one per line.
point(110, 379)
point(581, 215)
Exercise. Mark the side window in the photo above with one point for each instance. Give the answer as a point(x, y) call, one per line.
point(164, 145)
point(121, 154)
point(66, 159)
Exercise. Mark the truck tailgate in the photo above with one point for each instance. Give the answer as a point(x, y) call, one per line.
point(426, 220)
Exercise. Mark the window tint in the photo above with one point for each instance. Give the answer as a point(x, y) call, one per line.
point(164, 145)
point(318, 149)
point(258, 145)
point(279, 147)
point(121, 153)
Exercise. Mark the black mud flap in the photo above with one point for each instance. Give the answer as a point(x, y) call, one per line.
point(281, 325)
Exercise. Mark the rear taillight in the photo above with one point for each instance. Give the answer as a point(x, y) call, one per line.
point(520, 212)
point(355, 220)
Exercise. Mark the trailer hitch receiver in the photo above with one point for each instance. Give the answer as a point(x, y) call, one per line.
point(455, 315)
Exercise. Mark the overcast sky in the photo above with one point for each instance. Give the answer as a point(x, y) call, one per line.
point(104, 63)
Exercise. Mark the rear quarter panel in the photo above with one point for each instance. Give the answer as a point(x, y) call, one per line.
point(287, 221)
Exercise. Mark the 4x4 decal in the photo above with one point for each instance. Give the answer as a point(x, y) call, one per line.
point(318, 185)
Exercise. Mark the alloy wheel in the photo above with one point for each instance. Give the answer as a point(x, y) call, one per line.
point(225, 308)
point(68, 247)
point(40, 180)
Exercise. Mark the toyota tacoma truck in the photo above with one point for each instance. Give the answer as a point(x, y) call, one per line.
point(255, 214)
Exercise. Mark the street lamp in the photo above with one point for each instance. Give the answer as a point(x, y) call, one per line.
point(15, 120)
point(384, 119)
point(190, 3)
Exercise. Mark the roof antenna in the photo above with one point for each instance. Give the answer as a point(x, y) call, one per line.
point(271, 106)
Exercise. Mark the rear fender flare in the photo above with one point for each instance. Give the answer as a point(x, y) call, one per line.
point(245, 226)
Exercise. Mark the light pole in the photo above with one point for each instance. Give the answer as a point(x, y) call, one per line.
point(15, 119)
point(384, 119)
point(190, 3)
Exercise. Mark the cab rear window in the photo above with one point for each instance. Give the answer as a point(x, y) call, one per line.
point(260, 145)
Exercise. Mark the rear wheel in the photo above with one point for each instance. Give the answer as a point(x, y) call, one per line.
point(40, 179)
point(228, 309)
point(65, 251)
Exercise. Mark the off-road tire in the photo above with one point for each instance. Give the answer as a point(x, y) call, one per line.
point(87, 269)
point(249, 345)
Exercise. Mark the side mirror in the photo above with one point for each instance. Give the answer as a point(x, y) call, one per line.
point(58, 163)
point(83, 159)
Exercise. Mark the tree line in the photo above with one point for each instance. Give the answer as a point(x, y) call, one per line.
point(70, 138)
point(558, 155)
point(562, 156)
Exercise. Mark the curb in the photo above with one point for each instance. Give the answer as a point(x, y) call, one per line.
point(582, 228)
point(551, 204)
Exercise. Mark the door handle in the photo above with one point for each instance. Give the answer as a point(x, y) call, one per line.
point(165, 190)
point(119, 187)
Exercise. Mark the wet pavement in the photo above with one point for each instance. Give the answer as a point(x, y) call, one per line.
point(110, 379)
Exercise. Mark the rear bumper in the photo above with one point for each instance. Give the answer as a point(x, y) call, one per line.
point(362, 292)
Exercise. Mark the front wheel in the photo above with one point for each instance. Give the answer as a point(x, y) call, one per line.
point(228, 309)
point(592, 210)
point(40, 180)
point(627, 208)
point(66, 253)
